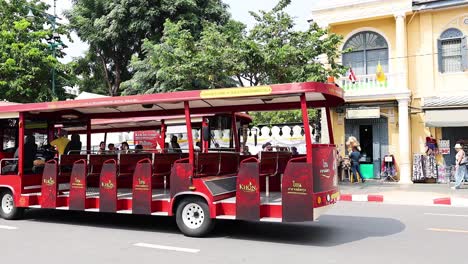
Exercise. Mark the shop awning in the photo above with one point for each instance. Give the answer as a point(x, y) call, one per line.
point(446, 117)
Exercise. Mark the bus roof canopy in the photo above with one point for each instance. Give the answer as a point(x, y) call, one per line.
point(257, 98)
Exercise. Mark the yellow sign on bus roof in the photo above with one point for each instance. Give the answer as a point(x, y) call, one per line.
point(235, 92)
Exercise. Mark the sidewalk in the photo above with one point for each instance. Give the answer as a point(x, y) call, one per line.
point(394, 193)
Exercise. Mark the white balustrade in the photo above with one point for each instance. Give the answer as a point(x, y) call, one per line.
point(369, 85)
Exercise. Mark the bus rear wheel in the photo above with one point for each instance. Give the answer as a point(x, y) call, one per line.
point(8, 209)
point(193, 217)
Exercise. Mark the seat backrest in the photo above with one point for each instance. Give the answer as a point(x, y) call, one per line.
point(283, 158)
point(69, 160)
point(229, 163)
point(128, 162)
point(163, 162)
point(96, 162)
point(268, 162)
point(207, 164)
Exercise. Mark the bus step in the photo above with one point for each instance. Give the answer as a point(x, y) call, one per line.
point(227, 217)
point(271, 219)
point(160, 213)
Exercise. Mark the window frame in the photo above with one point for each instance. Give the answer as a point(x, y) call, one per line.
point(445, 36)
point(365, 49)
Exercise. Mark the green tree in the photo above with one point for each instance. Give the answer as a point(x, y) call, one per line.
point(183, 62)
point(115, 30)
point(25, 57)
point(227, 55)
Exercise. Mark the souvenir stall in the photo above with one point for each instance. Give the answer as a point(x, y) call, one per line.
point(425, 167)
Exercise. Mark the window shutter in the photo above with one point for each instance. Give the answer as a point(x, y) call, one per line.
point(464, 54)
point(439, 55)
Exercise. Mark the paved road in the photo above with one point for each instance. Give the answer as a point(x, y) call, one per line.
point(350, 233)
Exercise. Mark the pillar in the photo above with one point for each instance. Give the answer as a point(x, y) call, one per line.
point(404, 144)
point(401, 50)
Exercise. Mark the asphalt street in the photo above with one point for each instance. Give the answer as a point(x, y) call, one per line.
point(349, 233)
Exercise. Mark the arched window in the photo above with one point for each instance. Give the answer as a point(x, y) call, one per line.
point(367, 49)
point(451, 48)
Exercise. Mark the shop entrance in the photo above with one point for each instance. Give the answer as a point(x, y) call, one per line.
point(365, 138)
point(372, 134)
point(454, 134)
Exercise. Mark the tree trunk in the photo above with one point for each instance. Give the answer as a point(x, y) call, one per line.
point(118, 80)
point(108, 81)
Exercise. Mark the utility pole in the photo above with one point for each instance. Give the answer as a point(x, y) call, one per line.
point(54, 41)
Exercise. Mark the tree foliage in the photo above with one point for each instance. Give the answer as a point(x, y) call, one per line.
point(115, 30)
point(25, 57)
point(225, 55)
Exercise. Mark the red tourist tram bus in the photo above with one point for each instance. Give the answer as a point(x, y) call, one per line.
point(201, 185)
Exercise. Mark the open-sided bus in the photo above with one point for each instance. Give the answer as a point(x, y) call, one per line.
point(202, 185)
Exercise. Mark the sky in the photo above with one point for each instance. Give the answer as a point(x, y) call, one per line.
point(299, 9)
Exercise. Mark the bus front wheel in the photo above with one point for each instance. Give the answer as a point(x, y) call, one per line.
point(193, 217)
point(8, 209)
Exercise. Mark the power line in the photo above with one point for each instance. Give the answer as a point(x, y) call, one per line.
point(410, 56)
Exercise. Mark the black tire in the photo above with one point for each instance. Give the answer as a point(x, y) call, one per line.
point(8, 209)
point(197, 221)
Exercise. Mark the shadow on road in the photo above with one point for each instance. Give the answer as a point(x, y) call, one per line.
point(331, 230)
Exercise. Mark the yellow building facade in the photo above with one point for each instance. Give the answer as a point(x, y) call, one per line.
point(422, 49)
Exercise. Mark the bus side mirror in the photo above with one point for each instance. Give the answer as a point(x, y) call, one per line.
point(206, 134)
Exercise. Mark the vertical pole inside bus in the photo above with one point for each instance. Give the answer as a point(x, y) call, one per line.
point(329, 125)
point(188, 121)
point(21, 126)
point(305, 120)
point(88, 136)
point(234, 133)
point(162, 142)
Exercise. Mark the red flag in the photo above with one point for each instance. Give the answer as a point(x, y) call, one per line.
point(351, 75)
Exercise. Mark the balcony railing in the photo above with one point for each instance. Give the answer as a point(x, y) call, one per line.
point(369, 85)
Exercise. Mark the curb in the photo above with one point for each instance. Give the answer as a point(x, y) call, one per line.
point(362, 198)
point(451, 201)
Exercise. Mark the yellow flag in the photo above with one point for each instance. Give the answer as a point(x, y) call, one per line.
point(380, 73)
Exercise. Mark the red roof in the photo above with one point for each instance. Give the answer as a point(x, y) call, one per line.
point(259, 98)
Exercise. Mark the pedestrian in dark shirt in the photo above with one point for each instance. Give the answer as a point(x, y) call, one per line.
point(355, 156)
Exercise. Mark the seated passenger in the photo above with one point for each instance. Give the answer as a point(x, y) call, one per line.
point(267, 147)
point(175, 145)
point(30, 150)
point(102, 148)
point(294, 151)
point(111, 148)
point(124, 147)
point(138, 148)
point(74, 146)
point(61, 142)
point(246, 151)
point(197, 146)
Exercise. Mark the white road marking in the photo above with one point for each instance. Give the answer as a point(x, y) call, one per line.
point(456, 215)
point(187, 250)
point(448, 230)
point(8, 227)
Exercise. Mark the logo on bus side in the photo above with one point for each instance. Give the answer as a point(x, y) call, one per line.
point(142, 185)
point(49, 181)
point(77, 184)
point(107, 185)
point(297, 188)
point(248, 187)
point(325, 171)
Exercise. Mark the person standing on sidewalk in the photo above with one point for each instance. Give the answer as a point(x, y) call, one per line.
point(460, 166)
point(355, 156)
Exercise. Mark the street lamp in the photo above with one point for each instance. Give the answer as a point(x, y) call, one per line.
point(54, 41)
